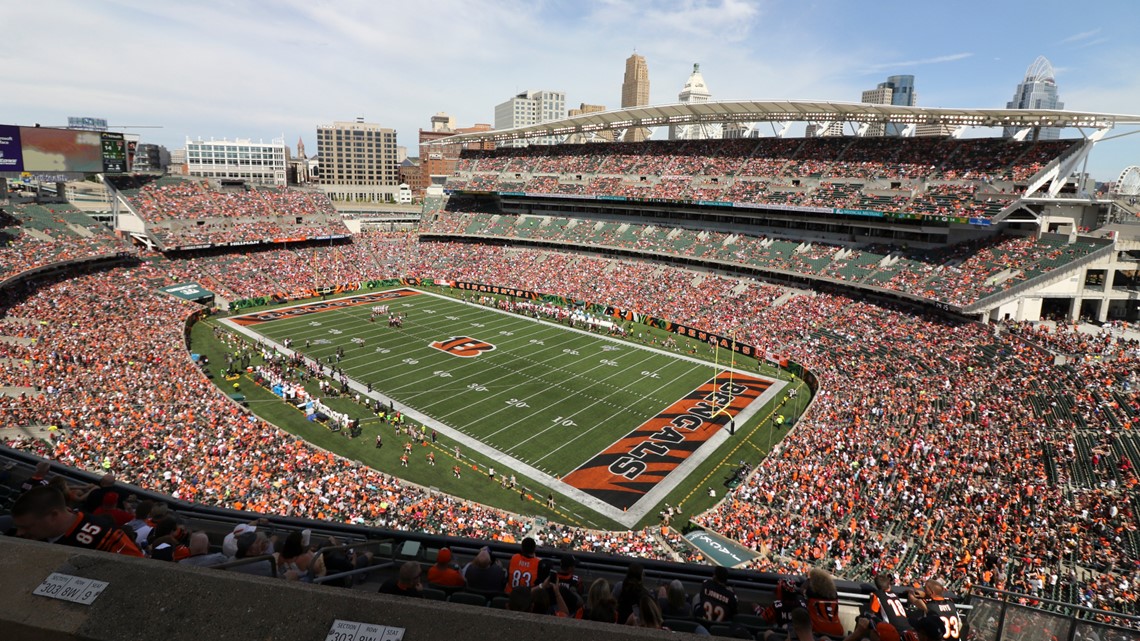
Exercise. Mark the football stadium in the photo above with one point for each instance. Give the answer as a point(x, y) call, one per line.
point(861, 374)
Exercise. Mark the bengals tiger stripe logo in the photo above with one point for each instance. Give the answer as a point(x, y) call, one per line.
point(463, 346)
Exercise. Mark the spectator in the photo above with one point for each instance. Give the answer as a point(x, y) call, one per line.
point(717, 600)
point(444, 573)
point(647, 614)
point(166, 541)
point(110, 508)
point(139, 525)
point(200, 554)
point(932, 601)
point(523, 568)
point(251, 545)
point(566, 576)
point(823, 603)
point(629, 590)
point(406, 583)
point(229, 543)
point(885, 615)
point(600, 602)
point(673, 601)
point(484, 574)
point(38, 477)
point(92, 495)
point(41, 514)
point(295, 557)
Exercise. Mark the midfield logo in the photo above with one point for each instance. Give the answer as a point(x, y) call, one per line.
point(463, 346)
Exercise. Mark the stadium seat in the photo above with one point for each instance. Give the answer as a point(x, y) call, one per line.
point(732, 632)
point(468, 598)
point(500, 602)
point(682, 625)
point(751, 622)
point(446, 589)
point(434, 595)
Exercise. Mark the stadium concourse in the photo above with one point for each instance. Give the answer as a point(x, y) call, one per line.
point(934, 448)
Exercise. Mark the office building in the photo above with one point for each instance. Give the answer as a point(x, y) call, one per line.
point(897, 90)
point(635, 93)
point(531, 108)
point(254, 162)
point(1037, 91)
point(358, 162)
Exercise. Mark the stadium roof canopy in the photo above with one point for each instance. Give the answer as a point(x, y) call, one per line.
point(748, 111)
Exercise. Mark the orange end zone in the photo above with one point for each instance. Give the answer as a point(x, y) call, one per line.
point(322, 306)
point(633, 465)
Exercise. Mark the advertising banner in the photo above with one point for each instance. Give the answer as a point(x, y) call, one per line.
point(11, 156)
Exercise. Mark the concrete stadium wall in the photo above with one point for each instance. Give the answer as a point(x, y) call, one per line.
point(159, 600)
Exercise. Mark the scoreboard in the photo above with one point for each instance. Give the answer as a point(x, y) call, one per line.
point(114, 153)
point(62, 152)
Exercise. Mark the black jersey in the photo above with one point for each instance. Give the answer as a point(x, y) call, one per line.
point(98, 533)
point(945, 610)
point(717, 602)
point(891, 608)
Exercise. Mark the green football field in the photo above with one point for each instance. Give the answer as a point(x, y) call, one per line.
point(544, 399)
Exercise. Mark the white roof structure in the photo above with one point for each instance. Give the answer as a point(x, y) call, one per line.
point(749, 111)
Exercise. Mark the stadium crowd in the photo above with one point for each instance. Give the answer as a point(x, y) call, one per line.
point(182, 213)
point(34, 236)
point(956, 275)
point(933, 448)
point(929, 176)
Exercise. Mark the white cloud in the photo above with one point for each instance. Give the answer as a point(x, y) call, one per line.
point(954, 57)
point(1084, 35)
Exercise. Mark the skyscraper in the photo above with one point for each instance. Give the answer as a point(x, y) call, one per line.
point(531, 108)
point(694, 91)
point(1037, 91)
point(635, 92)
point(897, 90)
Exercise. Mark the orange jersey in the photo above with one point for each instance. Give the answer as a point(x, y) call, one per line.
point(522, 571)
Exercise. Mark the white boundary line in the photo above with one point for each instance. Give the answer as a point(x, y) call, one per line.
point(629, 517)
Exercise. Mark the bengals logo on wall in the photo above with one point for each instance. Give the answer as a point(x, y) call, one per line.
point(464, 346)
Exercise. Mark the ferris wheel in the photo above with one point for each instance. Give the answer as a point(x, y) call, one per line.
point(1129, 182)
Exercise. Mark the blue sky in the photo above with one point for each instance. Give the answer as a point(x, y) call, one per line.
point(262, 69)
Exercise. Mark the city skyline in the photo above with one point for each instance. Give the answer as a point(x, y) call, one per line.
point(261, 70)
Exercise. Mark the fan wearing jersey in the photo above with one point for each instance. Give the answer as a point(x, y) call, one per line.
point(933, 602)
point(41, 514)
point(886, 615)
point(823, 603)
point(717, 601)
point(522, 572)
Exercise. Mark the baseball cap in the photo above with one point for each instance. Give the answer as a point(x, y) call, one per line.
point(444, 556)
